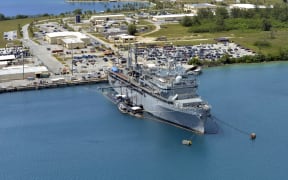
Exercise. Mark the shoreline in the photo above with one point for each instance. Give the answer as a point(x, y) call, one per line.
point(92, 1)
point(252, 63)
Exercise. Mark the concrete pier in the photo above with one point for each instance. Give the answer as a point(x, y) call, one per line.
point(49, 85)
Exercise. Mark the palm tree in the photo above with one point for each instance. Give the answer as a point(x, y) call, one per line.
point(285, 1)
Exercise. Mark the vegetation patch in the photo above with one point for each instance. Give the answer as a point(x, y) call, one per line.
point(262, 44)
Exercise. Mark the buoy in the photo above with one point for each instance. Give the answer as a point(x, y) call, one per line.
point(187, 142)
point(252, 136)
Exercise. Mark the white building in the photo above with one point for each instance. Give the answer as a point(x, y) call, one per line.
point(194, 8)
point(7, 57)
point(16, 72)
point(99, 28)
point(170, 17)
point(68, 39)
point(245, 6)
point(100, 19)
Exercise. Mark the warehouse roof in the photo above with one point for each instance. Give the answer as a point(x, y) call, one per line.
point(173, 15)
point(66, 33)
point(71, 40)
point(19, 70)
point(7, 57)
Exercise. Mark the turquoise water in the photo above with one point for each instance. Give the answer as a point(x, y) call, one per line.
point(35, 7)
point(76, 133)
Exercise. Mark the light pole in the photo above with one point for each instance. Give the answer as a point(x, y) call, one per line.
point(72, 61)
point(23, 63)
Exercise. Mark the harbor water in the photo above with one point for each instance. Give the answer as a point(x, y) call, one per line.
point(36, 7)
point(76, 133)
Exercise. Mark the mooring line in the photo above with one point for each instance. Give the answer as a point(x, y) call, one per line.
point(231, 126)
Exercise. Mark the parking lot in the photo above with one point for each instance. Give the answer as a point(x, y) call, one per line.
point(210, 52)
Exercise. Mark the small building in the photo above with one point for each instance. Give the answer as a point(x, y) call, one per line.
point(99, 28)
point(73, 43)
point(17, 72)
point(122, 38)
point(194, 8)
point(170, 17)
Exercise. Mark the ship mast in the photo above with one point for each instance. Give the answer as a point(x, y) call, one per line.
point(129, 62)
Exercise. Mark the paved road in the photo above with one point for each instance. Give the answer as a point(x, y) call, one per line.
point(157, 25)
point(41, 53)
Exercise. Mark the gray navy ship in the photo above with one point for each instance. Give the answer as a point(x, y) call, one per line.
point(168, 93)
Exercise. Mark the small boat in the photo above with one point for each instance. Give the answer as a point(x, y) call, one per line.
point(126, 106)
point(136, 111)
point(186, 142)
point(122, 107)
point(194, 70)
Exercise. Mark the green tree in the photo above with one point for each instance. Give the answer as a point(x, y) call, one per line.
point(194, 61)
point(186, 21)
point(20, 16)
point(286, 8)
point(2, 17)
point(266, 25)
point(77, 12)
point(205, 14)
point(195, 21)
point(19, 30)
point(30, 30)
point(220, 24)
point(132, 29)
point(222, 12)
point(225, 59)
point(236, 13)
point(249, 13)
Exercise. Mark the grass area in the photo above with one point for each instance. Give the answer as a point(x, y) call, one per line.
point(247, 39)
point(11, 25)
point(171, 31)
point(144, 22)
point(179, 35)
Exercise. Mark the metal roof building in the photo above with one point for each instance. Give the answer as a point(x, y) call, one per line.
point(7, 58)
point(170, 17)
point(193, 8)
point(107, 17)
point(16, 72)
point(245, 6)
point(69, 39)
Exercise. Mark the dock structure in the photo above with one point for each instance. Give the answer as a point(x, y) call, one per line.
point(46, 85)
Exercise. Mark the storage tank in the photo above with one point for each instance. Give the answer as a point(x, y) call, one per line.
point(77, 19)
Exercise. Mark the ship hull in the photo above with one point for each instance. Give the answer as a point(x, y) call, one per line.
point(162, 110)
